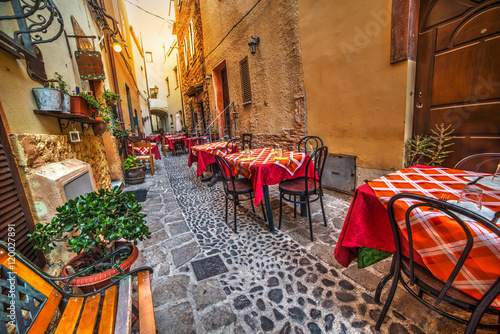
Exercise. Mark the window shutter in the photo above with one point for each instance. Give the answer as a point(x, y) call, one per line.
point(246, 91)
point(14, 209)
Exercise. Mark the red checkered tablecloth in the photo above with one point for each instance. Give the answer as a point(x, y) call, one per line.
point(437, 242)
point(266, 156)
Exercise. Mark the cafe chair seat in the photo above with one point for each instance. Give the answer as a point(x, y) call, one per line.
point(242, 186)
point(298, 187)
point(421, 282)
point(308, 189)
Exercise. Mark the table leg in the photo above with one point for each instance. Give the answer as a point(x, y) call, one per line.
point(269, 210)
point(303, 206)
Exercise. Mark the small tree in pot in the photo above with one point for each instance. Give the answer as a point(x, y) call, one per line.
point(90, 225)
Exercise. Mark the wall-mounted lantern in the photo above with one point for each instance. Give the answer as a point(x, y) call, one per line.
point(208, 78)
point(154, 92)
point(254, 42)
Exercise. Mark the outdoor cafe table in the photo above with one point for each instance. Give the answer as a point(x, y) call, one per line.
point(367, 225)
point(264, 171)
point(143, 150)
point(204, 155)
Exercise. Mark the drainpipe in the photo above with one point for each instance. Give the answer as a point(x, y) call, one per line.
point(112, 62)
point(305, 116)
point(147, 89)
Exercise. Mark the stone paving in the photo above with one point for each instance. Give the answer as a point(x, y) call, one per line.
point(277, 283)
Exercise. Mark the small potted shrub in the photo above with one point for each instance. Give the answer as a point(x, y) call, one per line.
point(133, 171)
point(53, 98)
point(92, 225)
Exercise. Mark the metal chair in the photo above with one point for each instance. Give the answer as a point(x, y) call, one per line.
point(248, 138)
point(306, 186)
point(425, 282)
point(178, 147)
point(482, 162)
point(234, 187)
point(309, 144)
point(240, 143)
point(146, 158)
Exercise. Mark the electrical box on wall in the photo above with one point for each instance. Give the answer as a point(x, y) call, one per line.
point(339, 173)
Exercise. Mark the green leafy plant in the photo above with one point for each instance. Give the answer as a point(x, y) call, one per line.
point(62, 85)
point(430, 150)
point(110, 97)
point(93, 222)
point(130, 162)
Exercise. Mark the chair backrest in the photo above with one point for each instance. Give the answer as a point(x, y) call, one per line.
point(310, 144)
point(142, 144)
point(240, 143)
point(226, 171)
point(452, 211)
point(248, 138)
point(482, 162)
point(318, 158)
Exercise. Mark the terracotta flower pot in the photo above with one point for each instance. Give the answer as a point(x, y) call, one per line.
point(90, 283)
point(79, 106)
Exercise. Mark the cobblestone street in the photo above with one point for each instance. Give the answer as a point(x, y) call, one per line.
point(278, 283)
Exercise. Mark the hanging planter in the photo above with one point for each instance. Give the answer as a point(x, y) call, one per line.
point(99, 129)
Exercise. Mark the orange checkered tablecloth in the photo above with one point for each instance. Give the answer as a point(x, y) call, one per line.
point(436, 243)
point(265, 156)
point(218, 148)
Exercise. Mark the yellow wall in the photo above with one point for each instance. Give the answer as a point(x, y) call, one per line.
point(356, 100)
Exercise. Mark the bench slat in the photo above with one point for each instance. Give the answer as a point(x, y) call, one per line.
point(89, 315)
point(124, 309)
point(42, 321)
point(108, 315)
point(70, 316)
point(146, 311)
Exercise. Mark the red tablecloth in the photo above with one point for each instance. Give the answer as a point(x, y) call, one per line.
point(154, 137)
point(269, 173)
point(366, 225)
point(204, 155)
point(139, 151)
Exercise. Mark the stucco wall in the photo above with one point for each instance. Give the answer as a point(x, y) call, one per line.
point(356, 100)
point(275, 69)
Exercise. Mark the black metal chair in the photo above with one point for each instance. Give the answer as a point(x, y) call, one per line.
point(234, 187)
point(240, 143)
point(482, 162)
point(424, 281)
point(309, 144)
point(306, 186)
point(248, 138)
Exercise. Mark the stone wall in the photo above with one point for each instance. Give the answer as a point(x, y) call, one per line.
point(275, 69)
point(287, 138)
point(33, 151)
point(195, 73)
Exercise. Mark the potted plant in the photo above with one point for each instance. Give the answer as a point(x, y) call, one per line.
point(52, 98)
point(133, 171)
point(110, 97)
point(79, 105)
point(92, 225)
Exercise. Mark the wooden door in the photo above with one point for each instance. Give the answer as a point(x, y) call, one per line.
point(225, 97)
point(15, 215)
point(458, 74)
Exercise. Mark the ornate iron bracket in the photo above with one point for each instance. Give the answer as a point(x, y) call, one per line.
point(34, 24)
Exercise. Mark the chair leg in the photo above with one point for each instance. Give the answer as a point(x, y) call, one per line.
point(294, 206)
point(263, 211)
point(322, 208)
point(388, 301)
point(481, 308)
point(281, 208)
point(152, 165)
point(253, 207)
point(310, 218)
point(383, 282)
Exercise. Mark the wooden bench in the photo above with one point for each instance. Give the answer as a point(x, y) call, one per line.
point(30, 299)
